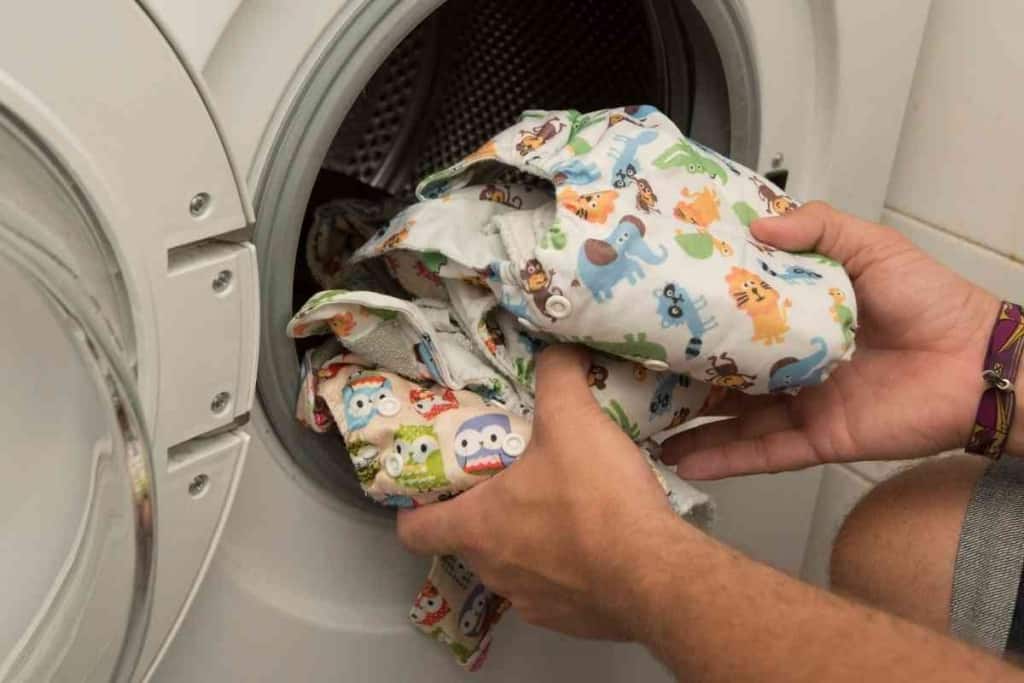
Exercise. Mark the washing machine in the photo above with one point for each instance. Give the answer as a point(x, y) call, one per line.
point(162, 515)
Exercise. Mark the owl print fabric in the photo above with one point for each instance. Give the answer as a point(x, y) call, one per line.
point(635, 244)
point(644, 250)
point(414, 443)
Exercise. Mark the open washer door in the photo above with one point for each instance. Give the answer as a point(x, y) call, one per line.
point(76, 509)
point(113, 182)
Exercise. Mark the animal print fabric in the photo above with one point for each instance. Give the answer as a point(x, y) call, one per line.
point(644, 248)
point(638, 248)
point(418, 442)
point(417, 339)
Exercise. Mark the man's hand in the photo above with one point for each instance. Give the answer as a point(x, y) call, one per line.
point(913, 385)
point(578, 535)
point(553, 533)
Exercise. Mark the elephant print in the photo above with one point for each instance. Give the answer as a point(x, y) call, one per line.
point(605, 263)
point(790, 373)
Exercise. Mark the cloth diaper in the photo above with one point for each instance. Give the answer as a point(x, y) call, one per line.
point(637, 246)
point(418, 340)
point(417, 442)
point(644, 251)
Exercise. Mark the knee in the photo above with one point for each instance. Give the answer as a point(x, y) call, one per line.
point(897, 547)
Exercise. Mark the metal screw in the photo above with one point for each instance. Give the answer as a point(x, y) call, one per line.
point(220, 402)
point(777, 160)
point(197, 207)
point(221, 282)
point(197, 486)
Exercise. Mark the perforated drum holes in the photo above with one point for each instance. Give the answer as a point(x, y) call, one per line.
point(475, 65)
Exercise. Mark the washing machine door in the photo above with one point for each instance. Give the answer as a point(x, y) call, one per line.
point(76, 498)
point(127, 296)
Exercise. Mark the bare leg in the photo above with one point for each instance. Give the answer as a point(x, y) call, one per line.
point(897, 548)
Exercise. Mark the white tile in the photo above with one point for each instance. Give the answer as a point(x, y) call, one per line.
point(880, 470)
point(1000, 275)
point(767, 516)
point(840, 490)
point(958, 161)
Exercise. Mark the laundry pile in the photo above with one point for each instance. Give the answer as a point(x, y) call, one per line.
point(636, 245)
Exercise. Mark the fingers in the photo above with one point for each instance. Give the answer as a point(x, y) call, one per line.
point(816, 226)
point(775, 452)
point(438, 529)
point(770, 418)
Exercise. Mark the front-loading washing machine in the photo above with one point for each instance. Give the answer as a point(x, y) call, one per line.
point(162, 515)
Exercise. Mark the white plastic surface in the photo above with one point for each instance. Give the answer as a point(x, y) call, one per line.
point(191, 521)
point(212, 336)
point(198, 24)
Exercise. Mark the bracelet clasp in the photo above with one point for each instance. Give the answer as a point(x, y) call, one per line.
point(994, 379)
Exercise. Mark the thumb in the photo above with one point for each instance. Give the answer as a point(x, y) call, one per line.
point(816, 226)
point(561, 383)
point(438, 529)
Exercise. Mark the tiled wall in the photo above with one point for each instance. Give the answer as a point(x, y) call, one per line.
point(957, 188)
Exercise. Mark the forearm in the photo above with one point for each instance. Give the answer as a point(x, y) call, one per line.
point(1015, 440)
point(714, 615)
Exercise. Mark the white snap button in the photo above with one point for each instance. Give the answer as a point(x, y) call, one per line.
point(656, 365)
point(367, 453)
point(393, 464)
point(526, 324)
point(514, 445)
point(557, 306)
point(388, 407)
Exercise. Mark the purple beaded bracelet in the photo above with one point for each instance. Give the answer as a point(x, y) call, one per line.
point(995, 410)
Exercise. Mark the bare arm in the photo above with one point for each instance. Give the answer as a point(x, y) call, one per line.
point(714, 615)
point(579, 537)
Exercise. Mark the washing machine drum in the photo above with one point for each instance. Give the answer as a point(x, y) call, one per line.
point(472, 67)
point(466, 72)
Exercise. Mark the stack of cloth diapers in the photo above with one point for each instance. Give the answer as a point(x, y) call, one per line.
point(628, 238)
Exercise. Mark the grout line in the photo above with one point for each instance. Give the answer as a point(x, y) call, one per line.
point(865, 479)
point(946, 231)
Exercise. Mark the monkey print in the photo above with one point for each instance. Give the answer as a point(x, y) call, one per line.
point(535, 138)
point(597, 376)
point(724, 373)
point(537, 283)
point(501, 194)
point(777, 203)
point(646, 200)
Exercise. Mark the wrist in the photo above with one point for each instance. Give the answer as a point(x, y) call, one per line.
point(1015, 440)
point(996, 427)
